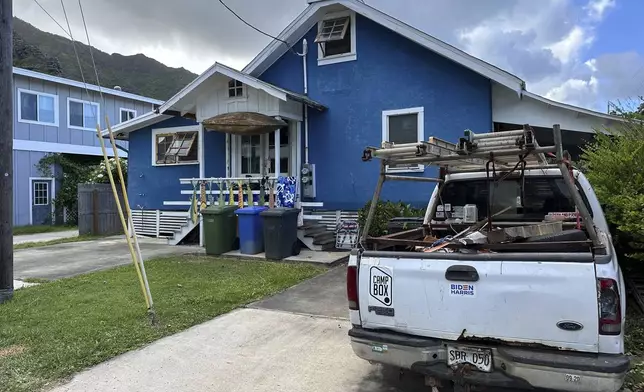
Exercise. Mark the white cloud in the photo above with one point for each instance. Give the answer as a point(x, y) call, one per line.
point(544, 42)
point(597, 8)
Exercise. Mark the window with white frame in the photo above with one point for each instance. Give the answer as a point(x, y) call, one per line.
point(127, 114)
point(235, 89)
point(284, 151)
point(175, 147)
point(336, 38)
point(251, 155)
point(82, 114)
point(403, 126)
point(41, 193)
point(37, 108)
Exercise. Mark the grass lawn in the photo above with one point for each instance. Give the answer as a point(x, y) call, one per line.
point(37, 229)
point(51, 331)
point(27, 245)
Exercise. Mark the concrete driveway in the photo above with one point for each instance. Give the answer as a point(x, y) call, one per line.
point(74, 258)
point(294, 341)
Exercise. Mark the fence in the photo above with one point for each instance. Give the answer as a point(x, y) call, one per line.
point(97, 211)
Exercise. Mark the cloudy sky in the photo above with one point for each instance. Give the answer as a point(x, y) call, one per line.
point(582, 52)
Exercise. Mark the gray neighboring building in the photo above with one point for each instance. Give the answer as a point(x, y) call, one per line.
point(58, 115)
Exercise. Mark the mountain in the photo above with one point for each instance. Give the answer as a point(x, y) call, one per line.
point(54, 55)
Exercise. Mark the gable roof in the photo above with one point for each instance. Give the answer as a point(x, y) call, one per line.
point(310, 16)
point(91, 87)
point(178, 102)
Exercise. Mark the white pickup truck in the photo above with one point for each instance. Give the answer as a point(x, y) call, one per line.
point(546, 312)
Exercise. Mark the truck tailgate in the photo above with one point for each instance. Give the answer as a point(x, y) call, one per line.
point(538, 302)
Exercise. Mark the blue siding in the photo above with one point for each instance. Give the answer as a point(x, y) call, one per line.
point(149, 186)
point(391, 73)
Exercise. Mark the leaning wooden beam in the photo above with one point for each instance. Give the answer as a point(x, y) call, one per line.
point(574, 193)
point(374, 202)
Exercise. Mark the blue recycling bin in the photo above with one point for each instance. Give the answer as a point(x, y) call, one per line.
point(251, 230)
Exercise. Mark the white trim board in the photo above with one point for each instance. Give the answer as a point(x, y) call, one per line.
point(91, 87)
point(301, 25)
point(30, 145)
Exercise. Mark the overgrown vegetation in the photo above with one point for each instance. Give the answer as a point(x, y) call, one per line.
point(612, 163)
point(56, 329)
point(72, 170)
point(54, 55)
point(385, 210)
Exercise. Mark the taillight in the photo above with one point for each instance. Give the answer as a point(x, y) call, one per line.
point(610, 310)
point(352, 287)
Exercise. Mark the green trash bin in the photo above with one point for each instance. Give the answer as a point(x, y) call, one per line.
point(220, 229)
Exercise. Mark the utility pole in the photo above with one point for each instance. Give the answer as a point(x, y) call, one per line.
point(6, 150)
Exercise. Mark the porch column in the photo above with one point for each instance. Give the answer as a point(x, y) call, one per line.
point(202, 174)
point(278, 147)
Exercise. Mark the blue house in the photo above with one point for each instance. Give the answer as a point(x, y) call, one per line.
point(351, 76)
point(58, 115)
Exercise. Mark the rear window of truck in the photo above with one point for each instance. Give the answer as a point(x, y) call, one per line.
point(541, 195)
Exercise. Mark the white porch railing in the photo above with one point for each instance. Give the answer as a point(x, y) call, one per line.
point(218, 190)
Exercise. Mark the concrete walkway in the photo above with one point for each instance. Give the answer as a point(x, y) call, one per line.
point(21, 239)
point(245, 350)
point(74, 258)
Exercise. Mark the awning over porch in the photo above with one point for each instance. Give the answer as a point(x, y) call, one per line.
point(243, 123)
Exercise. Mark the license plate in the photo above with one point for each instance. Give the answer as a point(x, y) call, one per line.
point(481, 358)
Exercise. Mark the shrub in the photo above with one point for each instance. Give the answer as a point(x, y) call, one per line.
point(385, 210)
point(613, 163)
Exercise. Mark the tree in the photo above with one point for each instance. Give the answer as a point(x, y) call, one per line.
point(614, 164)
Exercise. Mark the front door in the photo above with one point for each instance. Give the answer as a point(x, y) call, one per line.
point(256, 155)
point(41, 210)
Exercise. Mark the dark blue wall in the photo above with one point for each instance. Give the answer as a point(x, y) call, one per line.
point(149, 186)
point(390, 73)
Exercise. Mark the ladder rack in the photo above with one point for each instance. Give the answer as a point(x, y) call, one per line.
point(497, 151)
point(473, 151)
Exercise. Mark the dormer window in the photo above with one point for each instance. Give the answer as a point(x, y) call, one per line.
point(235, 89)
point(336, 38)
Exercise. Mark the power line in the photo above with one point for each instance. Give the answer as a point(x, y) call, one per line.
point(52, 18)
point(91, 53)
point(258, 30)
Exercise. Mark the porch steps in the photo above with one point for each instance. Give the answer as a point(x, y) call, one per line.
point(316, 237)
point(183, 231)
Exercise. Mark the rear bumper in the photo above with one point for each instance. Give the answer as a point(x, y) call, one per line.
point(513, 367)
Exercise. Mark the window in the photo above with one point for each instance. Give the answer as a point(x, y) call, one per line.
point(336, 38)
point(235, 89)
point(175, 146)
point(541, 195)
point(37, 108)
point(82, 114)
point(403, 126)
point(127, 114)
point(285, 151)
point(251, 153)
point(41, 193)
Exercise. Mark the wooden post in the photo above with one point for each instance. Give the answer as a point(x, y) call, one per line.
point(6, 151)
